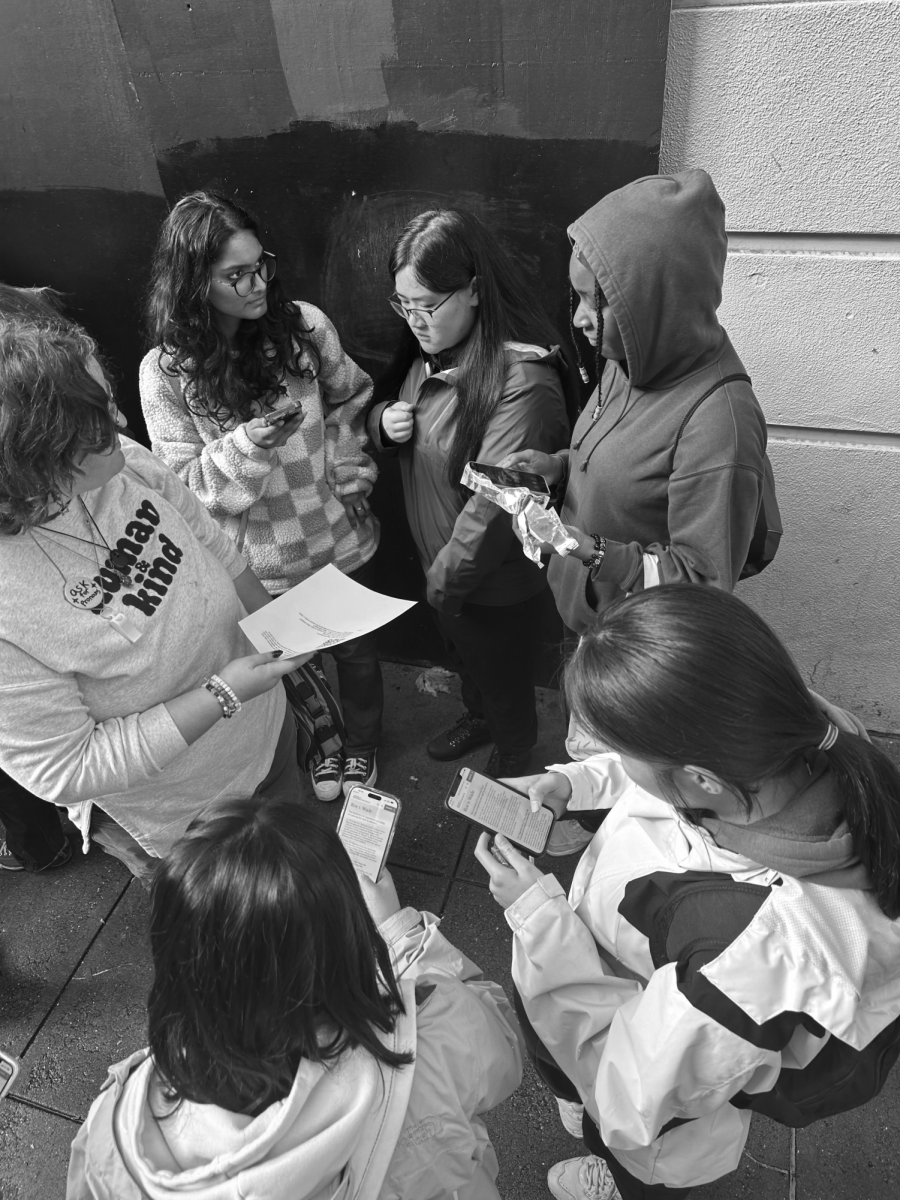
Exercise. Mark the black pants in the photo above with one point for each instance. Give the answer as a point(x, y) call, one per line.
point(495, 650)
point(33, 829)
point(359, 681)
point(562, 1087)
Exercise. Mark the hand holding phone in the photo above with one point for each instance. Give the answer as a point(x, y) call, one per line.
point(381, 897)
point(273, 429)
point(509, 882)
point(280, 415)
point(366, 827)
point(551, 789)
point(510, 477)
point(501, 809)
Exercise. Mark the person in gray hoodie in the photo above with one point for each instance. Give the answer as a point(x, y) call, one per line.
point(647, 266)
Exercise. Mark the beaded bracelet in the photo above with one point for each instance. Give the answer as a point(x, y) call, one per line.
point(225, 696)
point(594, 562)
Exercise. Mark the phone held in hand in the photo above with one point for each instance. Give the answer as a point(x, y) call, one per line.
point(366, 827)
point(280, 415)
point(510, 477)
point(498, 808)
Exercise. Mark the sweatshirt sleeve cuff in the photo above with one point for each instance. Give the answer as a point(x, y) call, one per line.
point(540, 893)
point(622, 563)
point(249, 448)
point(582, 797)
point(399, 924)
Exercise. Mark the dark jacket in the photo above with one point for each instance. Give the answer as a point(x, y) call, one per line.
point(657, 248)
point(467, 547)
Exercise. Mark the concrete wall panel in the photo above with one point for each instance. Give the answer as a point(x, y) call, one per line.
point(819, 334)
point(831, 593)
point(792, 108)
point(63, 125)
point(521, 68)
point(205, 69)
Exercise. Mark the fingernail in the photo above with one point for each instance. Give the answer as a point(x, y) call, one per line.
point(277, 653)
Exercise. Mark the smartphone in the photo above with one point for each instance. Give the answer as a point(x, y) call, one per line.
point(509, 477)
point(9, 1069)
point(283, 414)
point(366, 828)
point(500, 809)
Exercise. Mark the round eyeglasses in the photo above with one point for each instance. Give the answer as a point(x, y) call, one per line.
point(422, 314)
point(243, 283)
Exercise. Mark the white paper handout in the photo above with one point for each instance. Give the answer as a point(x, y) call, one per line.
point(324, 610)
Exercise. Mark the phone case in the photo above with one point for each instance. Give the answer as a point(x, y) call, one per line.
point(535, 483)
point(451, 792)
point(377, 792)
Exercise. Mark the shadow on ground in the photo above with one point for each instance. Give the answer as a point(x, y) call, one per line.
point(75, 970)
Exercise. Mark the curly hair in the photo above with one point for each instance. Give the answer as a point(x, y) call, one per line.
point(228, 387)
point(264, 955)
point(52, 413)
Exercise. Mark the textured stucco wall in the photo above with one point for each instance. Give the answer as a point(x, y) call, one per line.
point(792, 107)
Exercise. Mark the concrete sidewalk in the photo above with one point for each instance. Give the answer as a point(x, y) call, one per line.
point(74, 974)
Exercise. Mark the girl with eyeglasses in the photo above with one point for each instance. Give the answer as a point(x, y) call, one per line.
point(476, 375)
point(251, 400)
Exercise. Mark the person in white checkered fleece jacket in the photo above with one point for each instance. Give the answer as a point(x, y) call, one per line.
point(292, 490)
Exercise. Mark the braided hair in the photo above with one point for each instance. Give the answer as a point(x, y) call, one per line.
point(599, 360)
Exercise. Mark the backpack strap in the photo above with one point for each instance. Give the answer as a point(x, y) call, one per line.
point(737, 378)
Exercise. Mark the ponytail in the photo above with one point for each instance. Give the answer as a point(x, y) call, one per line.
point(869, 786)
point(688, 674)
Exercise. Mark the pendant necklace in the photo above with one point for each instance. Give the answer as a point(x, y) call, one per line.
point(87, 595)
point(117, 560)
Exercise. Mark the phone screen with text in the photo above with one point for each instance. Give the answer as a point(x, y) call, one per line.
point(500, 809)
point(366, 828)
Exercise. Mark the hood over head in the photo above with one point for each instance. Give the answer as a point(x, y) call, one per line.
point(657, 248)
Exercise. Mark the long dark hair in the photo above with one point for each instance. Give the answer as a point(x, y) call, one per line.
point(223, 386)
point(684, 674)
point(446, 248)
point(264, 954)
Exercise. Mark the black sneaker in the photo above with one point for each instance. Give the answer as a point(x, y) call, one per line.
point(8, 861)
point(360, 770)
point(508, 766)
point(468, 732)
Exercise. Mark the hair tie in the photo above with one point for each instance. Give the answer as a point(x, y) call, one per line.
point(830, 737)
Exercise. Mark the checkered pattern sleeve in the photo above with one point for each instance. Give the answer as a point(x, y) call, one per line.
point(346, 391)
point(225, 471)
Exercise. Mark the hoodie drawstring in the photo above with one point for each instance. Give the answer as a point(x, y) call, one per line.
point(606, 432)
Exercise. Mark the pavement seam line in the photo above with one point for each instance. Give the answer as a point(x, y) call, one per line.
point(453, 877)
point(47, 1108)
point(101, 926)
point(792, 1178)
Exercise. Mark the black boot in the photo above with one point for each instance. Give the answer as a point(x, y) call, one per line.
point(468, 732)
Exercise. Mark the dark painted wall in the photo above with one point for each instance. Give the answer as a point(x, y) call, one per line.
point(336, 124)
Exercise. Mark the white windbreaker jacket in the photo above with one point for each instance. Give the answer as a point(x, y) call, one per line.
point(756, 990)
